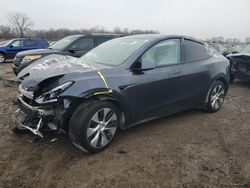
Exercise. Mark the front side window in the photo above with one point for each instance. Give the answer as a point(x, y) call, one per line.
point(29, 43)
point(194, 51)
point(63, 43)
point(83, 44)
point(16, 44)
point(164, 53)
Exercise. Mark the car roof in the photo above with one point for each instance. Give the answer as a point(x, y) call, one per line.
point(27, 38)
point(95, 34)
point(161, 36)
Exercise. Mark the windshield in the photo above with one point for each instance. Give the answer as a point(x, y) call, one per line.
point(63, 43)
point(246, 49)
point(6, 43)
point(114, 52)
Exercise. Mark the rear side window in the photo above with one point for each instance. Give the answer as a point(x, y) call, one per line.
point(194, 51)
point(101, 40)
point(83, 44)
point(29, 43)
point(44, 43)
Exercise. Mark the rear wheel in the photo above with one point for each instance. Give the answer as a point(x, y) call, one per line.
point(216, 96)
point(2, 58)
point(94, 125)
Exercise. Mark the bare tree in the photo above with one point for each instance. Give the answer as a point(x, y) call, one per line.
point(20, 22)
point(6, 32)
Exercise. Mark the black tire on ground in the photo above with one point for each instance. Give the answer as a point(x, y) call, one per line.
point(2, 58)
point(216, 96)
point(84, 129)
point(232, 75)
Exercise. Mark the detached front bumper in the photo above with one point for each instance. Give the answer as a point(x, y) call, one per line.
point(38, 114)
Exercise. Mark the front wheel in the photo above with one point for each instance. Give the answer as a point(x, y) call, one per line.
point(2, 58)
point(94, 125)
point(216, 96)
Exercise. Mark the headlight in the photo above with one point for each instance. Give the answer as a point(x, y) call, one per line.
point(25, 92)
point(28, 59)
point(51, 96)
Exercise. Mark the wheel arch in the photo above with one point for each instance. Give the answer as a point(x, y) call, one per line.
point(101, 95)
point(3, 52)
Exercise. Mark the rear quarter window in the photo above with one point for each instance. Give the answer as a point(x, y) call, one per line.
point(194, 51)
point(43, 43)
point(101, 40)
point(30, 43)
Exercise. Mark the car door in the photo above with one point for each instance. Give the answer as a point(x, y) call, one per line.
point(29, 44)
point(159, 91)
point(15, 47)
point(81, 46)
point(197, 69)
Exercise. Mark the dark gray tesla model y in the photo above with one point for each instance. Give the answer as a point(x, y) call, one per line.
point(121, 83)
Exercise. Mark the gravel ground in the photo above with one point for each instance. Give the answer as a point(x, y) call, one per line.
point(190, 149)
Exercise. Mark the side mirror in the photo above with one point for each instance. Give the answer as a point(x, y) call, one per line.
point(74, 49)
point(147, 64)
point(143, 65)
point(11, 46)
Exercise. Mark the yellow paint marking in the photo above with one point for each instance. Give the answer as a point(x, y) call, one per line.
point(102, 77)
point(103, 92)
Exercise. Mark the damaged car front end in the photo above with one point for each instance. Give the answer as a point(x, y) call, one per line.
point(240, 65)
point(43, 104)
point(43, 111)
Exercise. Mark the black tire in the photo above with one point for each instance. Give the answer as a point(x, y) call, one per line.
point(2, 58)
point(216, 96)
point(232, 75)
point(82, 122)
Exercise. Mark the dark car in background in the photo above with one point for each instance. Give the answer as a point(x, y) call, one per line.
point(121, 83)
point(240, 64)
point(75, 45)
point(10, 48)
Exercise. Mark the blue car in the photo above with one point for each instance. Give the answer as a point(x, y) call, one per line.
point(10, 48)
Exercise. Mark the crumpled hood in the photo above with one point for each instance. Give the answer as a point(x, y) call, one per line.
point(239, 54)
point(37, 52)
point(53, 66)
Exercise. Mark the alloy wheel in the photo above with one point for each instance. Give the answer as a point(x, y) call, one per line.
point(102, 127)
point(2, 58)
point(217, 97)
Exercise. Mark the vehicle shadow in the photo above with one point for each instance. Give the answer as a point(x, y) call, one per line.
point(242, 83)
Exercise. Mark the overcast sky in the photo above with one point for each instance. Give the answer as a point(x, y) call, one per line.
point(198, 18)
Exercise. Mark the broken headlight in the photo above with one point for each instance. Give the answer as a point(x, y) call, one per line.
point(51, 96)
